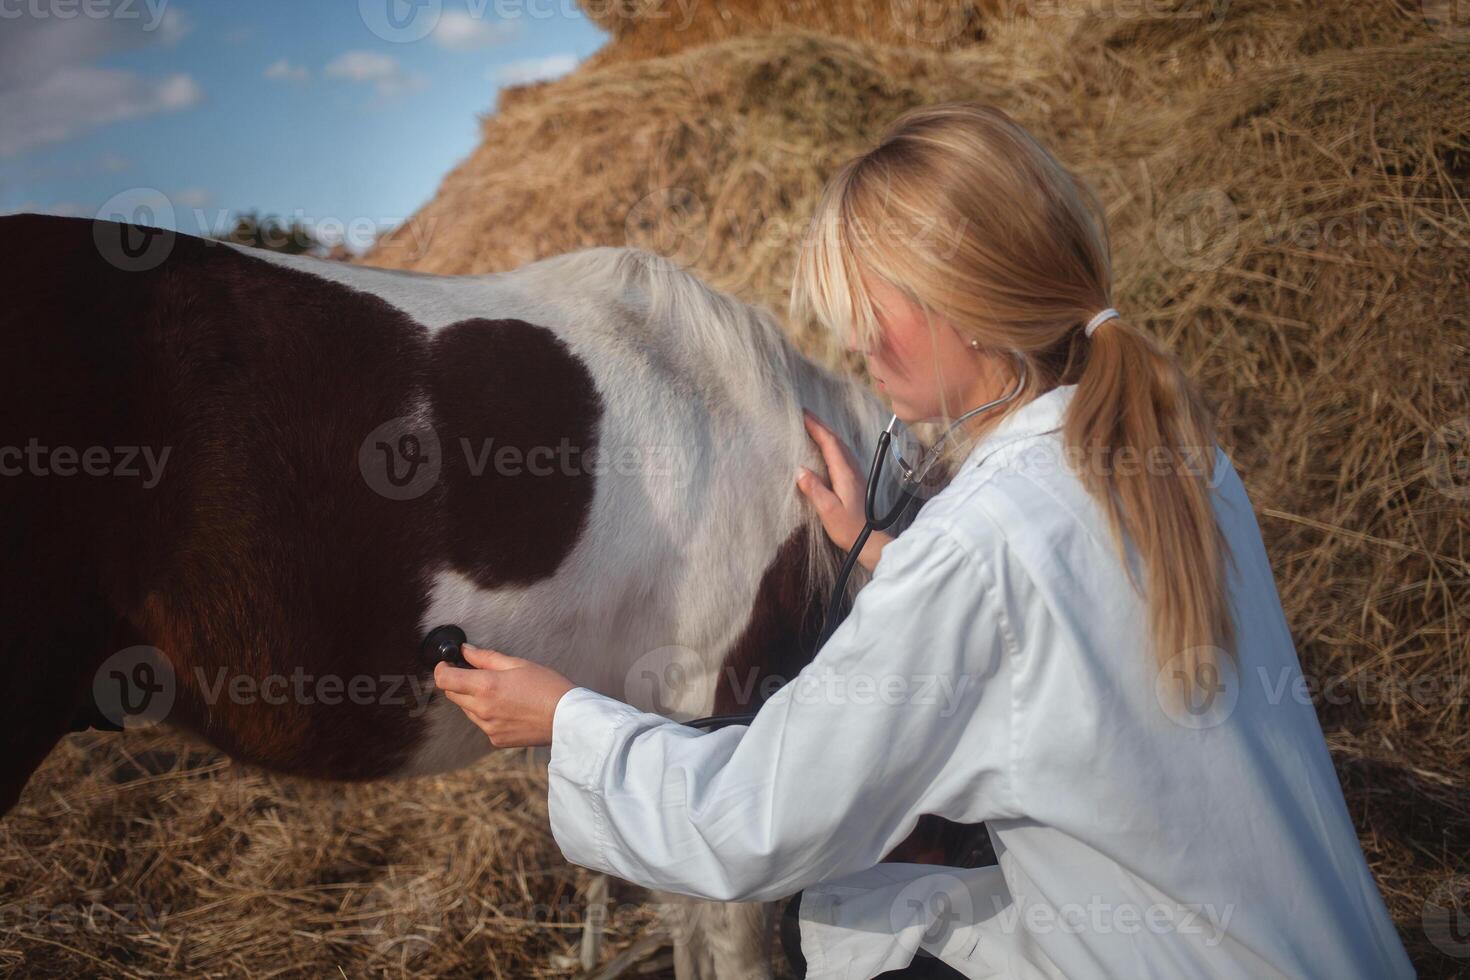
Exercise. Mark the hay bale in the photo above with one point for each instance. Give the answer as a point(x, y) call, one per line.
point(1307, 250)
point(1127, 45)
point(1181, 39)
point(142, 854)
point(657, 28)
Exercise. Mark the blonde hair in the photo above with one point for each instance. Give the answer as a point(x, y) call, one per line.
point(965, 213)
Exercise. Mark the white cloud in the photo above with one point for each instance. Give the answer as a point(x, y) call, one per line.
point(363, 66)
point(282, 70)
point(32, 47)
point(77, 99)
point(51, 90)
point(172, 27)
point(528, 70)
point(179, 92)
point(381, 71)
point(458, 30)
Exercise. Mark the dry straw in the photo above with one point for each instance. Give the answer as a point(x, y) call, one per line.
point(1287, 182)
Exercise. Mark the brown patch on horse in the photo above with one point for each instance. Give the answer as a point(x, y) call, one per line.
point(778, 640)
point(279, 577)
point(267, 567)
point(518, 416)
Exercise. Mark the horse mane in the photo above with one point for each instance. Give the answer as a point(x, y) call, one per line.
point(754, 358)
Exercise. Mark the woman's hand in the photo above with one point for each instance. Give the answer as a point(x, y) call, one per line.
point(840, 506)
point(511, 700)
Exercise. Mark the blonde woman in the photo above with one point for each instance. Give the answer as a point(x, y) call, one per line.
point(1091, 590)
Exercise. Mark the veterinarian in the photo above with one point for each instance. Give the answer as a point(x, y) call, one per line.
point(1121, 702)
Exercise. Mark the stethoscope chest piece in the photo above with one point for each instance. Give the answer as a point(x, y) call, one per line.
point(443, 643)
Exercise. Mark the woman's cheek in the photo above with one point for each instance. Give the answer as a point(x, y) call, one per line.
point(908, 351)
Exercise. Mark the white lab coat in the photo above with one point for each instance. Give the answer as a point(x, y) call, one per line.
point(996, 669)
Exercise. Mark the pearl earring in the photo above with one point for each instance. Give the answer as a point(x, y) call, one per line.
point(974, 345)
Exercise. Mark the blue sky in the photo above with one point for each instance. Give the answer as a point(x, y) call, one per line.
point(338, 112)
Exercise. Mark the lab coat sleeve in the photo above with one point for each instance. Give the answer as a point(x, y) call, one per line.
point(905, 711)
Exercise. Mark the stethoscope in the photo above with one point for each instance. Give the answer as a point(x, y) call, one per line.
point(443, 642)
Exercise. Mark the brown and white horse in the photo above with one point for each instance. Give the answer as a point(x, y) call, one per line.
point(280, 472)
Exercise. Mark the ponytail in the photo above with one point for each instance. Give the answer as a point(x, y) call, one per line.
point(1145, 449)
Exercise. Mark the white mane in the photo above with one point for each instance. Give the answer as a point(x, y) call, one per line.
point(754, 357)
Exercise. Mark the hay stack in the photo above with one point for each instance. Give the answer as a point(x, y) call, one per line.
point(141, 855)
point(655, 28)
point(1287, 184)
